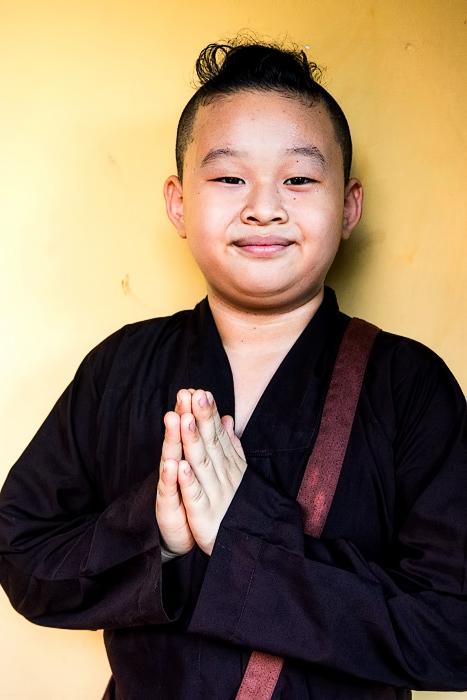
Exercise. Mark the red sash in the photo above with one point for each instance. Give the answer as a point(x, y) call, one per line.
point(321, 474)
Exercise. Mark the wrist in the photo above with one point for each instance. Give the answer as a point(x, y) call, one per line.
point(167, 555)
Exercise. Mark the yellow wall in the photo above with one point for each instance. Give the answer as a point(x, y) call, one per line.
point(90, 91)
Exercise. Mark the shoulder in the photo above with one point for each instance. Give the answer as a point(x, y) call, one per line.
point(406, 359)
point(413, 378)
point(142, 333)
point(395, 357)
point(116, 358)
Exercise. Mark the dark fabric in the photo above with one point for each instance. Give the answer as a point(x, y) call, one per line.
point(322, 473)
point(378, 604)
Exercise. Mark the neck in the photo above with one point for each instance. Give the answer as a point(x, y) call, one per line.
point(250, 331)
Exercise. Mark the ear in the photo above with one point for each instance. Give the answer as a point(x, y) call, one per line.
point(173, 195)
point(353, 202)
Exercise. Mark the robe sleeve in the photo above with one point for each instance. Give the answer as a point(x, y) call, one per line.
point(401, 621)
point(67, 559)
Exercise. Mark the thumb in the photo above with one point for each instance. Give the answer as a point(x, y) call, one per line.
point(168, 483)
point(229, 425)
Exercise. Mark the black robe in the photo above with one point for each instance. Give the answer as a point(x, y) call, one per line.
point(378, 604)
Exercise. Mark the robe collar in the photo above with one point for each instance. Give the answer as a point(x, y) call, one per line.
point(288, 412)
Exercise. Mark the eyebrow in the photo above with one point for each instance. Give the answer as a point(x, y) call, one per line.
point(312, 152)
point(218, 153)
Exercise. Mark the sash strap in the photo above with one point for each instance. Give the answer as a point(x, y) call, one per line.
point(324, 466)
point(321, 474)
point(261, 676)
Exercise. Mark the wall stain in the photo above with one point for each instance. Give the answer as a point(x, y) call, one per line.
point(128, 292)
point(126, 285)
point(113, 162)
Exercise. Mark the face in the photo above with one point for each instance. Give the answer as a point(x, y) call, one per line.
point(263, 204)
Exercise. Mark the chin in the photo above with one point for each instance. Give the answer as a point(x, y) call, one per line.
point(270, 300)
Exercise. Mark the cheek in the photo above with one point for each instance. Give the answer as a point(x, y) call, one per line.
point(201, 239)
point(321, 226)
point(207, 222)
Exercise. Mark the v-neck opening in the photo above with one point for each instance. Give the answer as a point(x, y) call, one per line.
point(208, 367)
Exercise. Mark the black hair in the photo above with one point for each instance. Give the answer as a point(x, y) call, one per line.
point(224, 69)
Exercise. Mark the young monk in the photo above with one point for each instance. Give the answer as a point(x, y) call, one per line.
point(377, 604)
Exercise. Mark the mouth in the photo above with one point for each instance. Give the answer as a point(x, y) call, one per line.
point(263, 246)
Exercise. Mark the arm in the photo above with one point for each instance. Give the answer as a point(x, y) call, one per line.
point(402, 621)
point(68, 557)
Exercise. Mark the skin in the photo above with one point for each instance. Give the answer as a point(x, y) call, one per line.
point(194, 493)
point(263, 207)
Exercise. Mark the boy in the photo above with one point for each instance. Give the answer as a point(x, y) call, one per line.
point(378, 603)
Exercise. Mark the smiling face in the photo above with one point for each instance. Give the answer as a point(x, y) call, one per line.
point(263, 204)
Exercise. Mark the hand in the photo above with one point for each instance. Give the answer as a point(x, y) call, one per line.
point(176, 536)
point(212, 468)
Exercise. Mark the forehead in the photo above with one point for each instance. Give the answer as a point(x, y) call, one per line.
point(263, 122)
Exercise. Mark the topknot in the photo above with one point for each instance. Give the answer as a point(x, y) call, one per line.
point(249, 62)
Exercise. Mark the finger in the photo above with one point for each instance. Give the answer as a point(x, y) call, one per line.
point(219, 444)
point(172, 445)
point(176, 536)
point(169, 475)
point(208, 423)
point(183, 404)
point(168, 499)
point(195, 453)
point(191, 490)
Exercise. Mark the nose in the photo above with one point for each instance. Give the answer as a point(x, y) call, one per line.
point(264, 206)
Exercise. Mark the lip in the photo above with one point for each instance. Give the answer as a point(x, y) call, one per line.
point(263, 246)
point(262, 241)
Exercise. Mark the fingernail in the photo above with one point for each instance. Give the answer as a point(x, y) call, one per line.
point(203, 401)
point(192, 426)
point(187, 470)
point(210, 398)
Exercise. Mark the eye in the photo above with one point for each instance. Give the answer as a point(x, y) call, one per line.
point(230, 180)
point(298, 181)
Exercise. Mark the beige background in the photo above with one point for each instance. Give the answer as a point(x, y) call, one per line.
point(90, 92)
